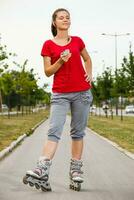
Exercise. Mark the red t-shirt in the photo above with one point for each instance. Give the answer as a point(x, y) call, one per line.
point(70, 77)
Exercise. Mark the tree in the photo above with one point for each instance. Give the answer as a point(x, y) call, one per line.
point(104, 85)
point(102, 88)
point(3, 66)
point(128, 70)
point(119, 89)
point(4, 56)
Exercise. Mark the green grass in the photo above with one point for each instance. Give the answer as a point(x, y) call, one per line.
point(121, 132)
point(11, 129)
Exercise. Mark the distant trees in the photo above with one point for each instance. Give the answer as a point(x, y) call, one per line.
point(3, 66)
point(128, 70)
point(109, 88)
point(19, 88)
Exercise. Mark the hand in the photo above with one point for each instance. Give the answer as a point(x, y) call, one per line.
point(88, 78)
point(65, 55)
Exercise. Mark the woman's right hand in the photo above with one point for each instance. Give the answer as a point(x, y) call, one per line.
point(65, 56)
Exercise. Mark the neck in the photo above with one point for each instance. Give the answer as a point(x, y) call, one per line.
point(62, 35)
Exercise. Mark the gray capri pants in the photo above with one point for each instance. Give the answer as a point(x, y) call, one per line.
point(79, 104)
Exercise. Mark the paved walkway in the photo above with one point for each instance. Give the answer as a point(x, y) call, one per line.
point(109, 174)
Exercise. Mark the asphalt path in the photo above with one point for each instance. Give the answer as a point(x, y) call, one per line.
point(108, 173)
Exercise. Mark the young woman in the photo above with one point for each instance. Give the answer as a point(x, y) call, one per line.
point(71, 90)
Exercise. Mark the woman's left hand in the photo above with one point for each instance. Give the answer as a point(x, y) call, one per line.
point(88, 77)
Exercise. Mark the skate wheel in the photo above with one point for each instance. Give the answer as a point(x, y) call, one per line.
point(31, 184)
point(79, 187)
point(37, 186)
point(71, 187)
point(25, 180)
point(46, 177)
point(75, 188)
point(49, 190)
point(43, 189)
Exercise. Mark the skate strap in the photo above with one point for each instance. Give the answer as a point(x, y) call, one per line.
point(76, 171)
point(38, 171)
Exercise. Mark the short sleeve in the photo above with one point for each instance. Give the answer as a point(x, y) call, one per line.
point(81, 44)
point(46, 49)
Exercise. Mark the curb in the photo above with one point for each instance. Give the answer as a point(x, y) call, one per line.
point(13, 144)
point(127, 153)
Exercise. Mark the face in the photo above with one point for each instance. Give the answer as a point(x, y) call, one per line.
point(62, 20)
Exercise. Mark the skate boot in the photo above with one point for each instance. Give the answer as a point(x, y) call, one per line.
point(76, 174)
point(39, 176)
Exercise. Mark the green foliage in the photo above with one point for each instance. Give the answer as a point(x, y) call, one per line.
point(3, 53)
point(120, 84)
point(128, 70)
point(19, 87)
point(103, 85)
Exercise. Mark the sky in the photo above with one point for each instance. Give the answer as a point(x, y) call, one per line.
point(25, 25)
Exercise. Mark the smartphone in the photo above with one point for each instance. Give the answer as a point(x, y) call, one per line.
point(65, 52)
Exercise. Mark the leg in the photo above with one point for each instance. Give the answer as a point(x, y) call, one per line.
point(40, 175)
point(58, 114)
point(49, 149)
point(77, 149)
point(80, 112)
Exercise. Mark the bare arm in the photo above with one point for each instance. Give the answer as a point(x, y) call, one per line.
point(88, 64)
point(52, 69)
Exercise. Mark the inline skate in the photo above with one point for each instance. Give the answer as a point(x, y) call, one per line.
point(75, 175)
point(39, 177)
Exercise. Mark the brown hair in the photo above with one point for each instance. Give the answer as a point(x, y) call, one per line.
point(53, 28)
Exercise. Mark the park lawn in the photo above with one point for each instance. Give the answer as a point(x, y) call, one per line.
point(11, 129)
point(121, 132)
